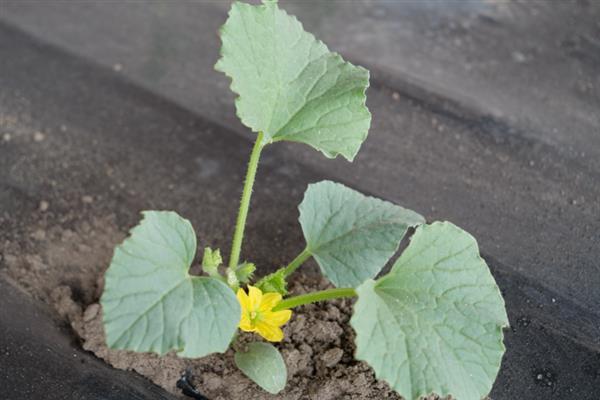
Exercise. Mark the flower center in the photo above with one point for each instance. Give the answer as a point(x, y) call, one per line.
point(254, 316)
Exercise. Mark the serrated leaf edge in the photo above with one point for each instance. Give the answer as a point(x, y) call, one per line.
point(365, 198)
point(232, 85)
point(500, 326)
point(178, 349)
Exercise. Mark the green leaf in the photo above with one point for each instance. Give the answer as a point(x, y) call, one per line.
point(290, 86)
point(151, 303)
point(264, 365)
point(274, 282)
point(211, 261)
point(350, 235)
point(434, 323)
point(245, 271)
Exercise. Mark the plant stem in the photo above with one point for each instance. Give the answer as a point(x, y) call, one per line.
point(296, 262)
point(313, 297)
point(240, 224)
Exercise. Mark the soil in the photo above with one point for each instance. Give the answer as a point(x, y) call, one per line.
point(64, 267)
point(317, 349)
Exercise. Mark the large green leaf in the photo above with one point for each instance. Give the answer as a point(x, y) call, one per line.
point(264, 365)
point(151, 303)
point(350, 235)
point(290, 86)
point(434, 323)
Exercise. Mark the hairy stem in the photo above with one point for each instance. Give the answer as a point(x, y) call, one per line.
point(314, 297)
point(296, 262)
point(240, 224)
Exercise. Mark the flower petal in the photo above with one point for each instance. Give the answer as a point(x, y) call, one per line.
point(245, 323)
point(269, 300)
point(269, 332)
point(277, 318)
point(243, 299)
point(255, 295)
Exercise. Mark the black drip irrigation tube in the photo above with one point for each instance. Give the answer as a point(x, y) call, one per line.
point(187, 386)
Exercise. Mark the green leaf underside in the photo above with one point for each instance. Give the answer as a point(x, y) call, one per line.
point(290, 86)
point(263, 364)
point(350, 235)
point(151, 303)
point(434, 323)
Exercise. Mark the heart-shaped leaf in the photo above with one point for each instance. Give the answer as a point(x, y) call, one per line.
point(434, 323)
point(264, 365)
point(290, 86)
point(151, 303)
point(350, 235)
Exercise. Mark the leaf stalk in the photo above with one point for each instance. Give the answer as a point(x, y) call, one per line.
point(238, 235)
point(297, 262)
point(314, 297)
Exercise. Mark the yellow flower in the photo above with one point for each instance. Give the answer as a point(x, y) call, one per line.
point(258, 315)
